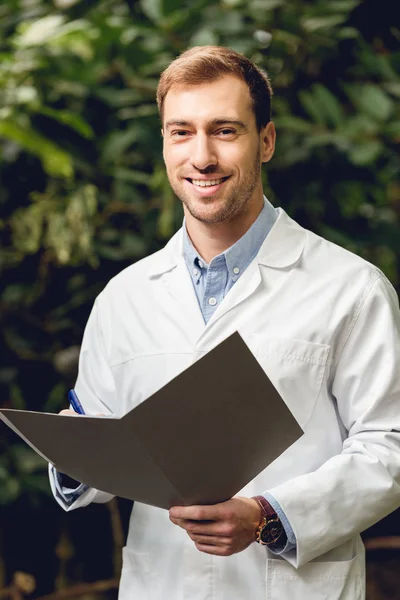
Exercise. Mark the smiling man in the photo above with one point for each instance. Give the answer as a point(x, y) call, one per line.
point(323, 324)
point(213, 151)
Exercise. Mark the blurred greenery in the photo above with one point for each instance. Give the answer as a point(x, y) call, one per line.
point(84, 192)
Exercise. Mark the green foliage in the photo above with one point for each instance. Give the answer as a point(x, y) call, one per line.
point(84, 188)
point(22, 471)
point(84, 191)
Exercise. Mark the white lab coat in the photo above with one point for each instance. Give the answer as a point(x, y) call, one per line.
point(324, 325)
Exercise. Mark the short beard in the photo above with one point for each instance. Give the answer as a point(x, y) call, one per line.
point(234, 206)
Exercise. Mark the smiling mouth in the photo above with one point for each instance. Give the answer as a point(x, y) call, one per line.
point(208, 182)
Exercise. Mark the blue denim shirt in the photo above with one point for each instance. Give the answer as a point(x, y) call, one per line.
point(213, 281)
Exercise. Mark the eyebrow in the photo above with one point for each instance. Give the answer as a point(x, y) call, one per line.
point(212, 123)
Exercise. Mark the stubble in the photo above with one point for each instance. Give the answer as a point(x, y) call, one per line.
point(225, 208)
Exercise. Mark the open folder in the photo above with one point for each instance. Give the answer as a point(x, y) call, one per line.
point(198, 440)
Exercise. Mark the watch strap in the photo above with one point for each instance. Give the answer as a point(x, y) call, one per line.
point(267, 511)
point(269, 518)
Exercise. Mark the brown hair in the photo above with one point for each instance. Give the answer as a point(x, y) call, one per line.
point(209, 63)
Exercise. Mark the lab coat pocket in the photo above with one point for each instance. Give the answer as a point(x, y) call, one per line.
point(135, 575)
point(296, 369)
point(334, 580)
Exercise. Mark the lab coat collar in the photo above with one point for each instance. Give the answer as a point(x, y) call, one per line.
point(284, 244)
point(282, 247)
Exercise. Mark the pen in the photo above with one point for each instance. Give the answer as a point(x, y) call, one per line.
point(75, 403)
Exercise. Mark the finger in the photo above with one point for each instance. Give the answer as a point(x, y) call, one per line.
point(211, 528)
point(194, 513)
point(209, 540)
point(184, 523)
point(67, 411)
point(189, 524)
point(215, 550)
point(179, 522)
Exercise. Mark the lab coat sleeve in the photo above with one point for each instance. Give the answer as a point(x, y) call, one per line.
point(96, 390)
point(361, 485)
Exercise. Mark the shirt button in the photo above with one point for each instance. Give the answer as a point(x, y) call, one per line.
point(200, 264)
point(236, 270)
point(212, 301)
point(195, 272)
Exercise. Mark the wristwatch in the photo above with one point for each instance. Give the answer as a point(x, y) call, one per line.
point(270, 531)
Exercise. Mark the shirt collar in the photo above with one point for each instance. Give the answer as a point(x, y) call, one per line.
point(238, 256)
point(281, 248)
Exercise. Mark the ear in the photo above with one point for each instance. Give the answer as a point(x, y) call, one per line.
point(162, 132)
point(267, 142)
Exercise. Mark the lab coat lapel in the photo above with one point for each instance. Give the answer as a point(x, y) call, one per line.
point(280, 250)
point(169, 266)
point(179, 285)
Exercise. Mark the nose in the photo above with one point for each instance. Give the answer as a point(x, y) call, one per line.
point(203, 153)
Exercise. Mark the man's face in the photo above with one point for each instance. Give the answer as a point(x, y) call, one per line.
point(213, 151)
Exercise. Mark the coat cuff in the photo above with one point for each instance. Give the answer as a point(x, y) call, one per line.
point(291, 538)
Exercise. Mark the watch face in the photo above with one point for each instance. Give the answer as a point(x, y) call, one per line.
point(271, 531)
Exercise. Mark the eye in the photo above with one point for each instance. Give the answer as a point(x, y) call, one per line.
point(179, 133)
point(226, 132)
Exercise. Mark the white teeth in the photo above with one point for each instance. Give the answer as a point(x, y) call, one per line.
point(202, 183)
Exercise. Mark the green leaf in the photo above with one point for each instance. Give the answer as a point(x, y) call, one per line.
point(329, 105)
point(118, 143)
point(293, 124)
point(310, 104)
point(39, 31)
point(16, 397)
point(57, 398)
point(23, 94)
point(55, 161)
point(117, 97)
point(366, 153)
point(66, 117)
point(393, 87)
point(145, 110)
point(27, 460)
point(15, 294)
point(171, 6)
point(9, 490)
point(132, 175)
point(133, 245)
point(345, 33)
point(130, 246)
point(371, 100)
point(153, 9)
point(229, 23)
point(393, 130)
point(342, 5)
point(203, 37)
point(360, 126)
point(328, 138)
point(236, 3)
point(311, 24)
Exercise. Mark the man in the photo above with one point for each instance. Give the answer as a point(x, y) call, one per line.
point(322, 322)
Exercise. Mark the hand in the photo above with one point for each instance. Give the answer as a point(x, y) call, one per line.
point(221, 529)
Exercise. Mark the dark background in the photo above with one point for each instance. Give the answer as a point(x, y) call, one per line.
point(84, 193)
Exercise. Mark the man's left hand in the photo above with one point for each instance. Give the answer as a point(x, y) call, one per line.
point(221, 529)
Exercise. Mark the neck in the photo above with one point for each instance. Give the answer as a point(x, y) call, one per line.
point(211, 239)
